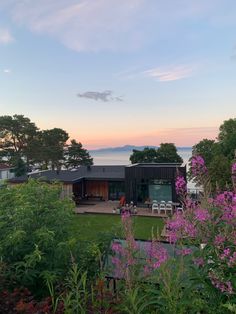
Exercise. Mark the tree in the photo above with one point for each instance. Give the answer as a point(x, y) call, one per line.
point(166, 153)
point(227, 138)
point(220, 172)
point(146, 155)
point(15, 133)
point(218, 155)
point(76, 155)
point(205, 148)
point(46, 149)
point(20, 167)
point(35, 232)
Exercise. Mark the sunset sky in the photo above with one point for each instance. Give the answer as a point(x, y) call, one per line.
point(121, 72)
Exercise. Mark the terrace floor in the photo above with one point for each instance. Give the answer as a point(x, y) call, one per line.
point(101, 207)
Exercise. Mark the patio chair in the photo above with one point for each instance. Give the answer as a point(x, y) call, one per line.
point(155, 206)
point(169, 208)
point(162, 207)
point(180, 209)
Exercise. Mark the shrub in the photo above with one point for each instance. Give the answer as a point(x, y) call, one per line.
point(34, 232)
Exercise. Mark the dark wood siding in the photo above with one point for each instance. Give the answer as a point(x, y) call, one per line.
point(135, 174)
point(97, 188)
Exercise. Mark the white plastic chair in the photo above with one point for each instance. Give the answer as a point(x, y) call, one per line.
point(169, 208)
point(162, 207)
point(180, 209)
point(155, 206)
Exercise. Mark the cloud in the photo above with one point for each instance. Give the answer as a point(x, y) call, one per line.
point(82, 25)
point(5, 36)
point(7, 71)
point(104, 96)
point(95, 25)
point(166, 74)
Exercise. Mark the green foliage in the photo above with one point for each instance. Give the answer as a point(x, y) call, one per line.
point(34, 231)
point(22, 142)
point(76, 299)
point(219, 171)
point(218, 155)
point(207, 149)
point(76, 155)
point(19, 165)
point(227, 138)
point(15, 131)
point(166, 153)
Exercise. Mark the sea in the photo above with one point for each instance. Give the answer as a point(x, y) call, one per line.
point(121, 157)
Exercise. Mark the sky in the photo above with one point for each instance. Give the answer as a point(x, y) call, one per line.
point(113, 72)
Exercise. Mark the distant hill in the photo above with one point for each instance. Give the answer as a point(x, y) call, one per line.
point(128, 148)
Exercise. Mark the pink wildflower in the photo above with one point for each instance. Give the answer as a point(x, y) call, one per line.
point(198, 166)
point(199, 261)
point(157, 255)
point(224, 287)
point(225, 254)
point(232, 260)
point(184, 252)
point(180, 185)
point(219, 239)
point(116, 247)
point(202, 214)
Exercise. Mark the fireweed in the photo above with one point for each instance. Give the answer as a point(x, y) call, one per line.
point(210, 225)
point(132, 263)
point(204, 240)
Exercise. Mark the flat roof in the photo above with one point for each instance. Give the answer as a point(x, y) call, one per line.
point(76, 175)
point(156, 165)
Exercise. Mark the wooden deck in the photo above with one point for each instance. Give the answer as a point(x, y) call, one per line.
point(108, 207)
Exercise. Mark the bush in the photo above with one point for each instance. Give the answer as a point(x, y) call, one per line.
point(34, 233)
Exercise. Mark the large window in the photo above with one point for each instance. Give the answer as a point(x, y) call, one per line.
point(116, 190)
point(159, 190)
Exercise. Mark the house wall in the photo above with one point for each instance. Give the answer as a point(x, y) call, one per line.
point(6, 174)
point(97, 188)
point(67, 190)
point(134, 176)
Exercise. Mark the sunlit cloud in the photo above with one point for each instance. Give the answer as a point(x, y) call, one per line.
point(7, 71)
point(95, 25)
point(165, 74)
point(5, 36)
point(84, 25)
point(104, 96)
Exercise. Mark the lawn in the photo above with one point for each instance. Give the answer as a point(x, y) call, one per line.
point(89, 226)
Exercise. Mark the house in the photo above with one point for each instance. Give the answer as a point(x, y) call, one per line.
point(138, 182)
point(6, 172)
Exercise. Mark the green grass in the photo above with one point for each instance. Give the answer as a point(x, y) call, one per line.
point(90, 226)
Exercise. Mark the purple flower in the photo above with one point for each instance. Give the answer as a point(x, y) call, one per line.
point(184, 252)
point(225, 254)
point(202, 214)
point(199, 261)
point(219, 239)
point(157, 255)
point(116, 247)
point(180, 185)
point(198, 166)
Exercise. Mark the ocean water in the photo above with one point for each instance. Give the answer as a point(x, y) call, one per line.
point(122, 158)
